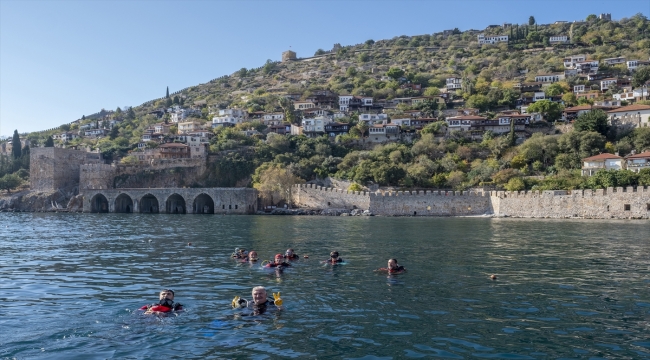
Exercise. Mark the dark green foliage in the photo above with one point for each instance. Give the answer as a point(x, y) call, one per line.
point(49, 142)
point(641, 76)
point(593, 120)
point(16, 150)
point(167, 94)
point(612, 178)
point(531, 20)
point(9, 182)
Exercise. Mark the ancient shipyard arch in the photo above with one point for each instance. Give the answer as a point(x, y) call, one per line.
point(172, 201)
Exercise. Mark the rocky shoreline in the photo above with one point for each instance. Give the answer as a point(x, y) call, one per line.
point(55, 201)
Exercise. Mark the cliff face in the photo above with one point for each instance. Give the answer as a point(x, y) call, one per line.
point(59, 200)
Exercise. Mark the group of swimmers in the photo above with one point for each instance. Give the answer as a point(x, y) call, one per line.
point(260, 302)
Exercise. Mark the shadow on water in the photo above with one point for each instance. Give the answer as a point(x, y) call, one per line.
point(71, 282)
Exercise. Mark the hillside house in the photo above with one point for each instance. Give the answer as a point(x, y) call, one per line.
point(549, 78)
point(578, 89)
point(454, 83)
point(571, 113)
point(632, 65)
point(282, 129)
point(161, 128)
point(632, 115)
point(314, 127)
point(174, 151)
point(336, 128)
point(383, 133)
point(482, 39)
point(558, 39)
point(303, 105)
point(229, 117)
point(592, 95)
point(67, 136)
point(638, 162)
point(614, 61)
point(372, 119)
point(420, 99)
point(462, 123)
point(571, 61)
point(587, 67)
point(189, 126)
point(605, 161)
point(607, 83)
point(95, 132)
point(273, 118)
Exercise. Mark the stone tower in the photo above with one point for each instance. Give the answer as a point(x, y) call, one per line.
point(288, 56)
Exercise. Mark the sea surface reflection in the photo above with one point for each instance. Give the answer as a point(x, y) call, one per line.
point(566, 289)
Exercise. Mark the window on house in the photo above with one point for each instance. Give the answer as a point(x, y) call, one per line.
point(627, 207)
point(224, 207)
point(229, 207)
point(236, 206)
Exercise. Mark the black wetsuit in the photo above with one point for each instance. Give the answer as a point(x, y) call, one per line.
point(292, 257)
point(260, 309)
point(273, 264)
point(338, 260)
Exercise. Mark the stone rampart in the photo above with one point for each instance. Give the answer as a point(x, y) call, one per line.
point(97, 176)
point(610, 203)
point(312, 196)
point(430, 203)
point(56, 168)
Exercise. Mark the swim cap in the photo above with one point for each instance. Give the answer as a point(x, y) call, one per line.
point(278, 256)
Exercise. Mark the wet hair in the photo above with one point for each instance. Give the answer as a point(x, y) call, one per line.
point(258, 288)
point(169, 290)
point(395, 260)
point(334, 254)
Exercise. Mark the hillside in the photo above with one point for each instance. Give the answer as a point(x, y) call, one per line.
point(407, 66)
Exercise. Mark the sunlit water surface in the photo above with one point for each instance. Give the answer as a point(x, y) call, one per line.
point(70, 284)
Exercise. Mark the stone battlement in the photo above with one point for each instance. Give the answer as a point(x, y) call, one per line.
point(622, 203)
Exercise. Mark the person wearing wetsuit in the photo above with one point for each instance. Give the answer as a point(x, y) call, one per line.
point(334, 258)
point(393, 267)
point(239, 254)
point(290, 255)
point(165, 305)
point(260, 303)
point(278, 262)
point(252, 257)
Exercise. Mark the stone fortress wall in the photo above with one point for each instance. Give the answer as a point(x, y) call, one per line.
point(101, 176)
point(618, 203)
point(53, 168)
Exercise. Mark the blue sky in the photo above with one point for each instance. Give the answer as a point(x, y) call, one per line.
point(63, 59)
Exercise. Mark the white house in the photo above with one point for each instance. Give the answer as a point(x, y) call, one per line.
point(638, 162)
point(373, 118)
point(545, 78)
point(314, 127)
point(606, 83)
point(273, 118)
point(344, 102)
point(571, 61)
point(614, 61)
point(229, 117)
point(626, 96)
point(605, 161)
point(558, 39)
point(303, 105)
point(383, 133)
point(67, 136)
point(454, 83)
point(189, 126)
point(578, 89)
point(636, 115)
point(180, 115)
point(632, 65)
point(95, 132)
point(539, 95)
point(482, 39)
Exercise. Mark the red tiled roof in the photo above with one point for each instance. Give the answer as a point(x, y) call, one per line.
point(639, 156)
point(631, 108)
point(603, 156)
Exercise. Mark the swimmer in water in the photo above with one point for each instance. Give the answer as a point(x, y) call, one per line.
point(278, 262)
point(290, 255)
point(252, 257)
point(393, 267)
point(334, 258)
point(239, 254)
point(165, 304)
point(260, 302)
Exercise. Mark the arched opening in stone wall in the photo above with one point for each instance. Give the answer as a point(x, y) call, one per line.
point(149, 204)
point(99, 204)
point(203, 204)
point(123, 204)
point(175, 204)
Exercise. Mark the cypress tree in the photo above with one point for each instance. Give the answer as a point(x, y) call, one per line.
point(511, 136)
point(49, 142)
point(167, 95)
point(16, 151)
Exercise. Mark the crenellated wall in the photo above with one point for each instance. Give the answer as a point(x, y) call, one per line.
point(53, 168)
point(430, 203)
point(312, 196)
point(610, 203)
point(615, 203)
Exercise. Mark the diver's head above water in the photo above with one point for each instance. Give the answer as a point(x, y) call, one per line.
point(259, 295)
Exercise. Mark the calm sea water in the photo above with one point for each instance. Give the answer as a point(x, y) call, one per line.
point(69, 285)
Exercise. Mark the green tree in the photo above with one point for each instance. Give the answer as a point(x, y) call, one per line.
point(591, 17)
point(275, 183)
point(551, 111)
point(641, 76)
point(16, 145)
point(49, 142)
point(478, 101)
point(554, 89)
point(395, 73)
point(569, 99)
point(167, 94)
point(515, 184)
point(593, 120)
point(431, 91)
point(531, 20)
point(10, 182)
point(644, 177)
